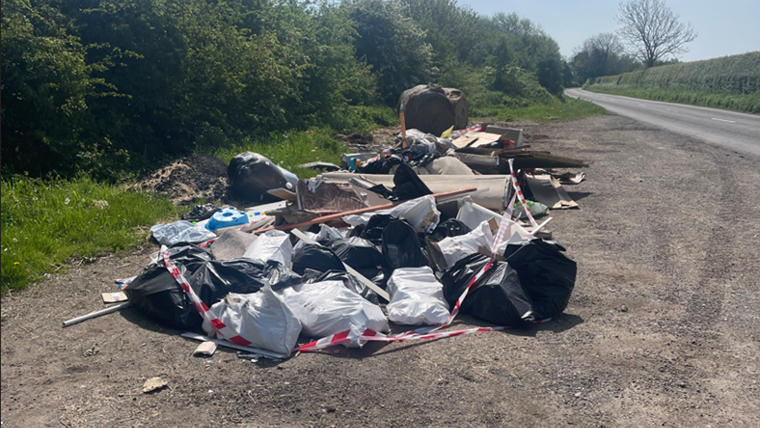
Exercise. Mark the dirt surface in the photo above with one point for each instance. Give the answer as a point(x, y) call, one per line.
point(662, 330)
point(188, 179)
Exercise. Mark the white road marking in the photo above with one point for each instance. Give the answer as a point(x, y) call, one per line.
point(723, 120)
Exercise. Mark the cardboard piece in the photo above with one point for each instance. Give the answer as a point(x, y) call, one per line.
point(475, 139)
point(547, 190)
point(115, 297)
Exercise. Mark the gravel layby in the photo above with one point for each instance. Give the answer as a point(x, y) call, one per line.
point(662, 330)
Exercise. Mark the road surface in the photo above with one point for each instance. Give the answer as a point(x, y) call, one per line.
point(738, 131)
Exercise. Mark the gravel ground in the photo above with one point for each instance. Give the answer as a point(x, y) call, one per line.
point(662, 330)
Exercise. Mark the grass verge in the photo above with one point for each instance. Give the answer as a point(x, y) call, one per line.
point(46, 223)
point(291, 149)
point(565, 108)
point(747, 103)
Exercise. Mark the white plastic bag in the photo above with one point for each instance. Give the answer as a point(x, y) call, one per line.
point(328, 307)
point(272, 245)
point(261, 318)
point(456, 248)
point(416, 297)
point(421, 213)
point(180, 231)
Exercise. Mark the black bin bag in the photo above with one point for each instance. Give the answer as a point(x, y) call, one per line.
point(252, 176)
point(157, 294)
point(498, 297)
point(401, 247)
point(546, 273)
point(360, 254)
point(316, 257)
point(215, 279)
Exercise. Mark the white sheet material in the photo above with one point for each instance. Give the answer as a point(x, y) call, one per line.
point(421, 213)
point(326, 308)
point(416, 297)
point(261, 318)
point(272, 245)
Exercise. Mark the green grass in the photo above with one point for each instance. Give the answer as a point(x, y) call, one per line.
point(564, 109)
point(291, 149)
point(748, 103)
point(48, 223)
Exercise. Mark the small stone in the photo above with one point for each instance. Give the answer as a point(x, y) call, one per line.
point(330, 409)
point(624, 308)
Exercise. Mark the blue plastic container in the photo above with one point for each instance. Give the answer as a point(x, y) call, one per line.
point(225, 218)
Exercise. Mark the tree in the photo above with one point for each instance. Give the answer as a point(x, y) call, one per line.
point(601, 55)
point(653, 30)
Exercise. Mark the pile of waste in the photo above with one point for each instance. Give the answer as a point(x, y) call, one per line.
point(429, 228)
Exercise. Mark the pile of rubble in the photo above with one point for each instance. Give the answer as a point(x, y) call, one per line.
point(430, 227)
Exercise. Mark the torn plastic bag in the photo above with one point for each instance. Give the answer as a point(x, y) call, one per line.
point(498, 297)
point(373, 231)
point(546, 273)
point(327, 234)
point(537, 209)
point(407, 184)
point(326, 308)
point(260, 318)
point(449, 228)
point(158, 295)
point(458, 247)
point(416, 297)
point(473, 214)
point(201, 212)
point(360, 254)
point(350, 282)
point(232, 244)
point(315, 257)
point(179, 232)
point(216, 278)
point(401, 247)
point(421, 213)
point(253, 175)
point(272, 245)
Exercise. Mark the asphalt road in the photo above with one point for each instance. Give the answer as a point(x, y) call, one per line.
point(737, 131)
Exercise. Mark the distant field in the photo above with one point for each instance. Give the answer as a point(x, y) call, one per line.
point(731, 82)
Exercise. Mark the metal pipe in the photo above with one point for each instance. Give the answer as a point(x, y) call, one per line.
point(96, 314)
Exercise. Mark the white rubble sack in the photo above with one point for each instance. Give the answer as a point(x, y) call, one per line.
point(328, 307)
point(261, 318)
point(272, 245)
point(421, 213)
point(416, 297)
point(456, 248)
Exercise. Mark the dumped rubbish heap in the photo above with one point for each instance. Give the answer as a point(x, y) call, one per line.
point(430, 228)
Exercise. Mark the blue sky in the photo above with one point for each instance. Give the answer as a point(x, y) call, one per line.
point(725, 27)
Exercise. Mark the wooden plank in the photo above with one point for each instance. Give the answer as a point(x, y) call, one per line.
point(371, 285)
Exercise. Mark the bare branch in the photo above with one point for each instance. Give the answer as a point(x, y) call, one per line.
point(653, 30)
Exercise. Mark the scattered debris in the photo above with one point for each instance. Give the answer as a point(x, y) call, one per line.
point(154, 384)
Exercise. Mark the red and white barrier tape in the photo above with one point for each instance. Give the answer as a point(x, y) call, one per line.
point(476, 128)
point(520, 194)
point(221, 330)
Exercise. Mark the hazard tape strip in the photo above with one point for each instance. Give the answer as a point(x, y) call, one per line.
point(520, 195)
point(221, 330)
point(373, 336)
